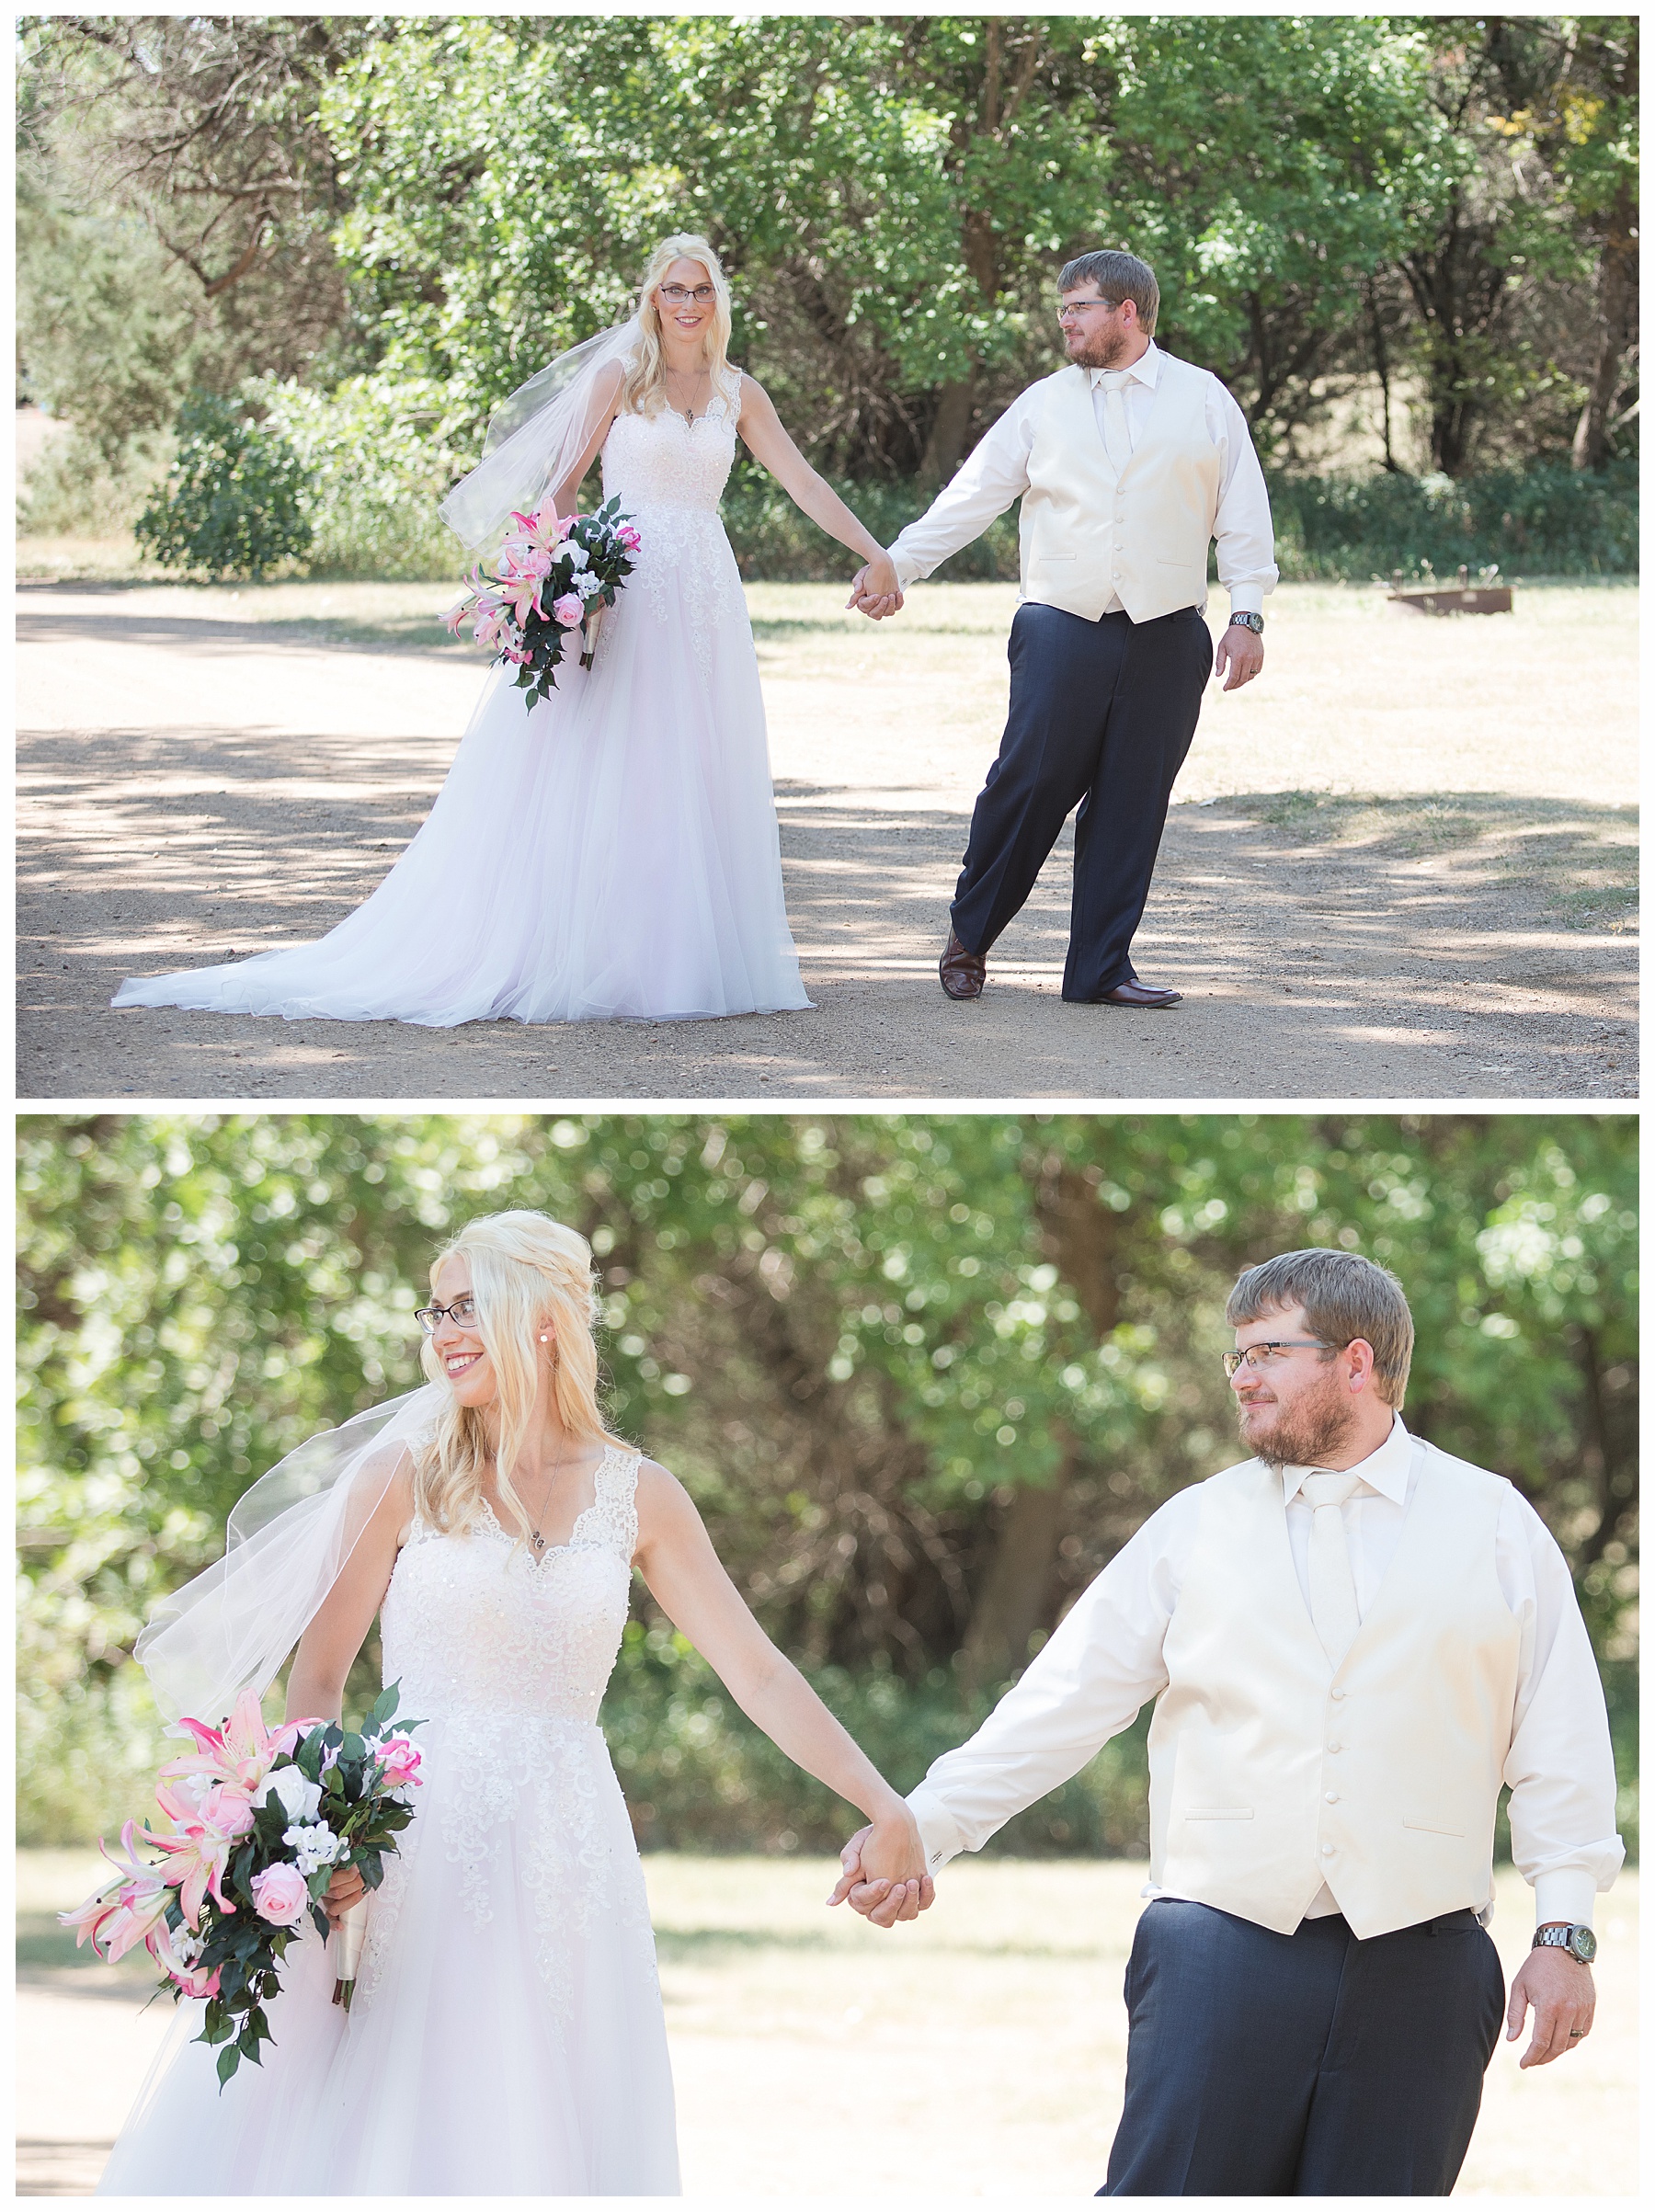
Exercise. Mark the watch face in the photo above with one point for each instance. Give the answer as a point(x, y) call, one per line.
point(1583, 1944)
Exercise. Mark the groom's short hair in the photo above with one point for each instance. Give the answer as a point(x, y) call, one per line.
point(1344, 1295)
point(1118, 277)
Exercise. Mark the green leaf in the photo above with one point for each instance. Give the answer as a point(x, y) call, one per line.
point(228, 2060)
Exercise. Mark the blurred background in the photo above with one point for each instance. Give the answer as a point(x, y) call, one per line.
point(274, 270)
point(923, 1374)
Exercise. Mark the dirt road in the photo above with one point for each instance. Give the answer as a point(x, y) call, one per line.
point(1400, 867)
point(1004, 2001)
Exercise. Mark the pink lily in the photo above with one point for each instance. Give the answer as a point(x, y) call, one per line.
point(200, 1850)
point(521, 595)
point(542, 529)
point(120, 1915)
point(492, 623)
point(195, 1980)
point(242, 1754)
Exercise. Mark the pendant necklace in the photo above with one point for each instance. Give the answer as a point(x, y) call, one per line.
point(538, 1540)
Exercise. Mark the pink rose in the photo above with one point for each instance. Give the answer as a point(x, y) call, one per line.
point(400, 1760)
point(568, 612)
point(629, 537)
point(279, 1895)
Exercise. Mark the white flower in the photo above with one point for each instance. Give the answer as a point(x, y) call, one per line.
point(575, 553)
point(587, 585)
point(313, 1846)
point(297, 1797)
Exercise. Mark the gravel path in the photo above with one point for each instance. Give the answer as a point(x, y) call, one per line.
point(203, 772)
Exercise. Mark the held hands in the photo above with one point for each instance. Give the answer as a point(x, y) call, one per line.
point(1560, 1990)
point(874, 589)
point(1242, 651)
point(884, 1877)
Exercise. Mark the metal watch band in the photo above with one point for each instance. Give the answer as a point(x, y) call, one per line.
point(1574, 1937)
point(1255, 622)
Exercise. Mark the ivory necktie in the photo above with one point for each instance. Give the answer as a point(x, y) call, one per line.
point(1332, 1585)
point(1118, 437)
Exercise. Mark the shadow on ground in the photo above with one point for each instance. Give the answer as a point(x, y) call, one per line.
point(1327, 947)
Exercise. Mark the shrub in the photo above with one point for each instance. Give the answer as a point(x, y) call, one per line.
point(232, 501)
point(377, 455)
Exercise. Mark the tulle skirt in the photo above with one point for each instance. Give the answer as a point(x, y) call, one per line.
point(507, 2038)
point(610, 853)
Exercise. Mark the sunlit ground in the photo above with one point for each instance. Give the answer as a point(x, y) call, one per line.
point(979, 2052)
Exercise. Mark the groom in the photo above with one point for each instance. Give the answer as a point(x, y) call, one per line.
point(1128, 464)
point(1353, 1640)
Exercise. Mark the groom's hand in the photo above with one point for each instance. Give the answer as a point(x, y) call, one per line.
point(875, 590)
point(1242, 651)
point(879, 1899)
point(1560, 1990)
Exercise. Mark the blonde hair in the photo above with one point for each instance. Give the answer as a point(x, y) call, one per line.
point(527, 1271)
point(643, 387)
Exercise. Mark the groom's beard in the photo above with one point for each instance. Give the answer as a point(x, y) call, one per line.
point(1100, 353)
point(1305, 1436)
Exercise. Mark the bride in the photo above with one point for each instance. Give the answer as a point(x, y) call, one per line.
point(506, 2035)
point(613, 852)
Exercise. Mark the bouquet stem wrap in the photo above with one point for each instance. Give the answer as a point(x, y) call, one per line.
point(351, 1934)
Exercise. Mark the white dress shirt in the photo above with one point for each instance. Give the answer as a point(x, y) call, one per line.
point(997, 473)
point(1104, 1662)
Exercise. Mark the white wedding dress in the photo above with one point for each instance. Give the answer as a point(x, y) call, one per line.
point(611, 852)
point(506, 2036)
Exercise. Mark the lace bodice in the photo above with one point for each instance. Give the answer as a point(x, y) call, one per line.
point(661, 460)
point(471, 1624)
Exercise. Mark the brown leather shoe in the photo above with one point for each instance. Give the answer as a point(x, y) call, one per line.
point(962, 972)
point(1139, 994)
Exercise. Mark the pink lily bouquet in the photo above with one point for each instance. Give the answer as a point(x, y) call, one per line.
point(552, 577)
point(262, 1819)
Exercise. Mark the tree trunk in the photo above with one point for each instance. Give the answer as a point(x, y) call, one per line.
point(1617, 318)
point(947, 439)
point(1016, 1596)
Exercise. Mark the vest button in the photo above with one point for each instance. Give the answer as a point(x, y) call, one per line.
point(1327, 1850)
point(1332, 1797)
point(1337, 1693)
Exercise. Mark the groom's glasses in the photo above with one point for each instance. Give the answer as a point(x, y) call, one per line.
point(675, 295)
point(1080, 307)
point(462, 1313)
point(1262, 1355)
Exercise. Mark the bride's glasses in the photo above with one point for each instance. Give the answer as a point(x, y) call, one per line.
point(462, 1313)
point(675, 295)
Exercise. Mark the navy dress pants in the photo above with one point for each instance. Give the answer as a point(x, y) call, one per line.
point(1302, 2065)
point(1101, 716)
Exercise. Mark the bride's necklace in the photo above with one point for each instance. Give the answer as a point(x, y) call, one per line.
point(536, 1538)
point(688, 412)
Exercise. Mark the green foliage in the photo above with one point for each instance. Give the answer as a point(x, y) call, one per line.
point(864, 1343)
point(375, 457)
point(232, 501)
point(1547, 520)
point(699, 1775)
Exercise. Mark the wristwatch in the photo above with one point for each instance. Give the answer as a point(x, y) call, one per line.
point(1567, 1936)
point(1255, 622)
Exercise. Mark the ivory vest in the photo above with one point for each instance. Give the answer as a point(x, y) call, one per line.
point(1144, 534)
point(1270, 1773)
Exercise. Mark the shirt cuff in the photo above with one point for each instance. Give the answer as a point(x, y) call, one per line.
point(908, 569)
point(937, 1833)
point(1247, 598)
point(1565, 1894)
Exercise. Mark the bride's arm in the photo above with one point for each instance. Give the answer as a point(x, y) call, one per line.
point(675, 1557)
point(770, 445)
point(600, 414)
point(339, 1628)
